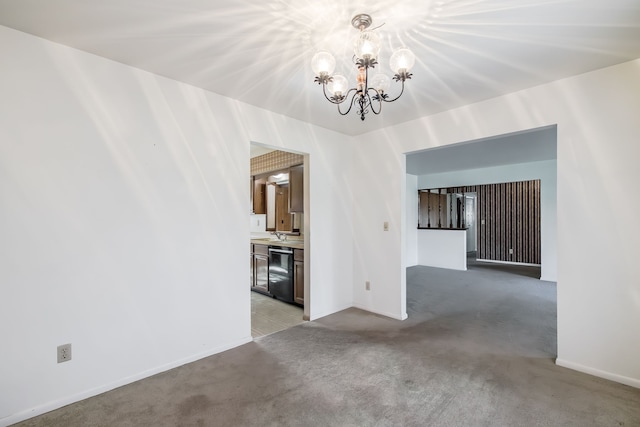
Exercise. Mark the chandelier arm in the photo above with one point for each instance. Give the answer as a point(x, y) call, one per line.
point(333, 101)
point(353, 100)
point(378, 97)
point(324, 92)
point(396, 98)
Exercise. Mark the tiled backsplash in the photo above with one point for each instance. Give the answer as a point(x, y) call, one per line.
point(273, 161)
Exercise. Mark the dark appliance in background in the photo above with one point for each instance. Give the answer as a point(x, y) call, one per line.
point(281, 273)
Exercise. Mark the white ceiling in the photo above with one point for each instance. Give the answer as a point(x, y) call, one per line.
point(258, 51)
point(533, 145)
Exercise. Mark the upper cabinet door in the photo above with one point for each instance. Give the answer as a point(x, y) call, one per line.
point(259, 195)
point(296, 189)
point(283, 218)
point(271, 207)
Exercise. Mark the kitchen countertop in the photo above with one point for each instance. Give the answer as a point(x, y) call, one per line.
point(295, 244)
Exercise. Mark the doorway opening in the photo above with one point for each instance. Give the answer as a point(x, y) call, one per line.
point(470, 221)
point(514, 160)
point(279, 226)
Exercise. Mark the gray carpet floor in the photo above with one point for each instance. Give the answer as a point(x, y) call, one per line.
point(478, 349)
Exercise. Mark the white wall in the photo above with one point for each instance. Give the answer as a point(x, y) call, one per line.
point(598, 287)
point(380, 195)
point(412, 221)
point(443, 248)
point(124, 222)
point(544, 171)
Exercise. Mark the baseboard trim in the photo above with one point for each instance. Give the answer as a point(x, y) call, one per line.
point(330, 312)
point(632, 382)
point(59, 403)
point(395, 316)
point(495, 261)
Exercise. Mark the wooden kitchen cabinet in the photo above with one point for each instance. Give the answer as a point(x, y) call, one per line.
point(298, 276)
point(296, 189)
point(261, 268)
point(259, 195)
point(280, 194)
point(283, 217)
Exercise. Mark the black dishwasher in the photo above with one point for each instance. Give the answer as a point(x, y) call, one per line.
point(281, 273)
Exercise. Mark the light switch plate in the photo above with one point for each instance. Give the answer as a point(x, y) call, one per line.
point(386, 226)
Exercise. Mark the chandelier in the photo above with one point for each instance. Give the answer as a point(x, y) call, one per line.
point(369, 93)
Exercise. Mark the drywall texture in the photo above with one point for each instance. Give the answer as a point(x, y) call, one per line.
point(597, 127)
point(124, 222)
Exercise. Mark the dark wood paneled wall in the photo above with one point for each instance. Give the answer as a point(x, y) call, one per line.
point(507, 218)
point(433, 210)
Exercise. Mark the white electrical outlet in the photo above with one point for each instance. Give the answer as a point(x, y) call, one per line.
point(64, 353)
point(510, 251)
point(367, 285)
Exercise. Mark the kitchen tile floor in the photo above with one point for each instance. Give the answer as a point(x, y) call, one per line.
point(268, 315)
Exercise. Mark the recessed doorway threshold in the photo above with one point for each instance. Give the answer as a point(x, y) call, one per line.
point(269, 315)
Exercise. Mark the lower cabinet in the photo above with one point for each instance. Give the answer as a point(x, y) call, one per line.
point(298, 276)
point(260, 279)
point(260, 272)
